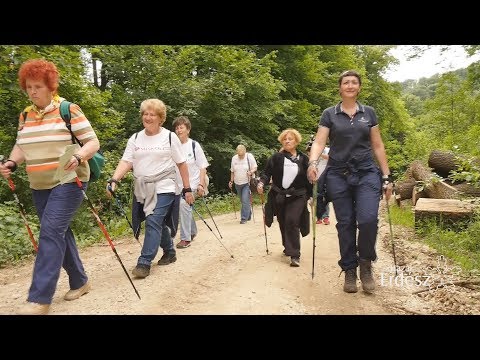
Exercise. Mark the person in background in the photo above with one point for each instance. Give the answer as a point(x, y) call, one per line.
point(197, 169)
point(353, 180)
point(153, 154)
point(289, 192)
point(322, 211)
point(242, 168)
point(42, 138)
point(322, 164)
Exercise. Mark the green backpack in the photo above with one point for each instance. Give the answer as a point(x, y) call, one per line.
point(97, 162)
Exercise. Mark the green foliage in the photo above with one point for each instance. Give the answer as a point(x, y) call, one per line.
point(462, 246)
point(401, 216)
point(15, 243)
point(467, 170)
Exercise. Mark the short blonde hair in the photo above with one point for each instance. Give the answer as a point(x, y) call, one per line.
point(296, 134)
point(157, 106)
point(241, 148)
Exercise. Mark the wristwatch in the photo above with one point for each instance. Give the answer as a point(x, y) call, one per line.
point(185, 190)
point(79, 159)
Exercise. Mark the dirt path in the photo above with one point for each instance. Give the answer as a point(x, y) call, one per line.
point(206, 280)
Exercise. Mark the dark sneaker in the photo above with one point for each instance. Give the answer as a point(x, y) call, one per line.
point(183, 244)
point(243, 221)
point(295, 261)
point(350, 285)
point(366, 276)
point(141, 271)
point(167, 259)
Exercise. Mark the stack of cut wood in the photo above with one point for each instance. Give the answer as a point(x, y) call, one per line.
point(422, 181)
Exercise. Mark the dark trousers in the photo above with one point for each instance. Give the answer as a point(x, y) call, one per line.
point(355, 200)
point(56, 208)
point(289, 216)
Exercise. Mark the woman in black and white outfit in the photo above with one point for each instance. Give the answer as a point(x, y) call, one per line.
point(290, 190)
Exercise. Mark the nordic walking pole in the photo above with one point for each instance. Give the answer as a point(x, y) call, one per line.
point(391, 235)
point(105, 233)
point(251, 204)
point(203, 198)
point(262, 199)
point(201, 217)
point(22, 212)
point(119, 204)
point(314, 224)
point(233, 202)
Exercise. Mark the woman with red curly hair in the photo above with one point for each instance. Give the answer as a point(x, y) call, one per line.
point(41, 140)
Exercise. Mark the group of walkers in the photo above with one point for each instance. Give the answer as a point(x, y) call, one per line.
point(169, 171)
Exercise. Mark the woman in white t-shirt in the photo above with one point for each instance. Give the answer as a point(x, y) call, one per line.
point(153, 154)
point(242, 168)
point(197, 168)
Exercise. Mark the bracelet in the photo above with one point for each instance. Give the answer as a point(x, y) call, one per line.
point(14, 167)
point(185, 190)
point(79, 158)
point(387, 178)
point(111, 180)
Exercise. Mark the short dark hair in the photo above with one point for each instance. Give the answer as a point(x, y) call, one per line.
point(182, 120)
point(349, 73)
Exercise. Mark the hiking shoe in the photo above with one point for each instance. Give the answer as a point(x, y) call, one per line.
point(31, 308)
point(366, 276)
point(75, 294)
point(167, 259)
point(183, 244)
point(295, 261)
point(326, 220)
point(350, 285)
point(141, 271)
point(319, 221)
point(243, 221)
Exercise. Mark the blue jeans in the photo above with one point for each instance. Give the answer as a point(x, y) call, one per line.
point(355, 201)
point(244, 192)
point(156, 231)
point(188, 227)
point(326, 213)
point(56, 208)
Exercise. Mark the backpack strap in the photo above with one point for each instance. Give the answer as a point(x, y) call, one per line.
point(193, 148)
point(67, 117)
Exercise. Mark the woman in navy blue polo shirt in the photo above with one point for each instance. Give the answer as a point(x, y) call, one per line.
point(353, 179)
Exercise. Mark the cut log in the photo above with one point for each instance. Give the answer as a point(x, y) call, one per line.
point(467, 189)
point(442, 162)
point(417, 195)
point(434, 187)
point(405, 188)
point(444, 210)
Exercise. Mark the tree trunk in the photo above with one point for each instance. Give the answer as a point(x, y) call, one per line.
point(405, 188)
point(442, 162)
point(433, 187)
point(467, 189)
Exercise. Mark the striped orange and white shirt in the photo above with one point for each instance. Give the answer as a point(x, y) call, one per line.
point(44, 140)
